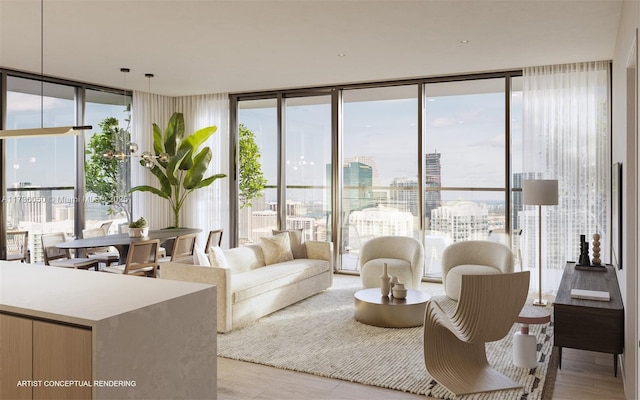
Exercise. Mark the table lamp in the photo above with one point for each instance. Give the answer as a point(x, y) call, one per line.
point(540, 192)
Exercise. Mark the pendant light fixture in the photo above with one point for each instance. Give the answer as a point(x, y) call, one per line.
point(42, 131)
point(146, 156)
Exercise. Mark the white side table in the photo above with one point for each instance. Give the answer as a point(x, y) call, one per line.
point(524, 343)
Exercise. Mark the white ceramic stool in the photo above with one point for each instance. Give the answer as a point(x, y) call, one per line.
point(524, 344)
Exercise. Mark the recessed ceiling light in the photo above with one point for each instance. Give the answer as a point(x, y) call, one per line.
point(464, 41)
point(341, 55)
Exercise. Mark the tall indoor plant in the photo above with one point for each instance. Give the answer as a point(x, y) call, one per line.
point(179, 164)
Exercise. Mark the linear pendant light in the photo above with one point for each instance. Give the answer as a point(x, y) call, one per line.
point(42, 131)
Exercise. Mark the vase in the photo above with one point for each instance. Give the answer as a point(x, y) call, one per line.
point(385, 281)
point(138, 232)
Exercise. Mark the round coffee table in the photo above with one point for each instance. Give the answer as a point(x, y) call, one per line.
point(524, 344)
point(372, 308)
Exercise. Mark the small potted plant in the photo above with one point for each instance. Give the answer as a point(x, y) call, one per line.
point(138, 228)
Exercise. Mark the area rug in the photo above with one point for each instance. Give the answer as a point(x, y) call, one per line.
point(319, 336)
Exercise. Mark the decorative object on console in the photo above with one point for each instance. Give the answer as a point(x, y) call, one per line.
point(385, 281)
point(584, 251)
point(596, 249)
point(540, 192)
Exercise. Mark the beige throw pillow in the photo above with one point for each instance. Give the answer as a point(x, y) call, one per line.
point(295, 239)
point(276, 249)
point(217, 258)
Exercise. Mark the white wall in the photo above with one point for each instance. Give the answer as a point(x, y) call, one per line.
point(624, 150)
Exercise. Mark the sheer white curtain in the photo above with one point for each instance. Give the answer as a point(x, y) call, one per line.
point(208, 208)
point(146, 110)
point(566, 127)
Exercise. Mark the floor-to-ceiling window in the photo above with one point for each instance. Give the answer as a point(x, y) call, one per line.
point(308, 165)
point(382, 135)
point(379, 167)
point(43, 178)
point(107, 181)
point(465, 142)
point(40, 173)
point(258, 173)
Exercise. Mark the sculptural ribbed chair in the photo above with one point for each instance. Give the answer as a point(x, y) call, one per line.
point(454, 344)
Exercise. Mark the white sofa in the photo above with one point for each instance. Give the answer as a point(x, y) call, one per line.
point(248, 289)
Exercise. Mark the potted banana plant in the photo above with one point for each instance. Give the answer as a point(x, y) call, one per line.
point(180, 164)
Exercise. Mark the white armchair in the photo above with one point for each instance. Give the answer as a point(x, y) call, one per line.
point(404, 257)
point(473, 257)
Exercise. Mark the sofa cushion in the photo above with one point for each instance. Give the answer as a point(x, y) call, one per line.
point(453, 281)
point(217, 257)
point(274, 277)
point(295, 240)
point(246, 258)
point(276, 249)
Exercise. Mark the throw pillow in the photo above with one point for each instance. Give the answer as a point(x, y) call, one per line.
point(295, 239)
point(217, 258)
point(276, 249)
point(200, 258)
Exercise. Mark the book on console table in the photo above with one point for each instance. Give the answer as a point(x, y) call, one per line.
point(590, 294)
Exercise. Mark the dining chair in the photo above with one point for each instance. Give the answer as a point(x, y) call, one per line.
point(105, 226)
point(142, 259)
point(214, 239)
point(183, 249)
point(62, 257)
point(104, 255)
point(18, 246)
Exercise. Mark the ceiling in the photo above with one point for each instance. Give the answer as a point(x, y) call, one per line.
point(214, 46)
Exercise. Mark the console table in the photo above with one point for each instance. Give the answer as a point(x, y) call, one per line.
point(589, 324)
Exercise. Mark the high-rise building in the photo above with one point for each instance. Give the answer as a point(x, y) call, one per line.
point(461, 220)
point(405, 198)
point(357, 179)
point(432, 179)
point(368, 160)
point(382, 221)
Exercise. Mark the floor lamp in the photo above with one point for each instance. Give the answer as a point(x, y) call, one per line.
point(540, 192)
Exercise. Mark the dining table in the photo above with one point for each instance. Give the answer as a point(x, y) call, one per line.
point(122, 241)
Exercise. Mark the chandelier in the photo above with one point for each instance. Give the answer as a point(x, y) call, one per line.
point(146, 156)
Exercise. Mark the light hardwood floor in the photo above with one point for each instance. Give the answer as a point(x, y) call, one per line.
point(584, 375)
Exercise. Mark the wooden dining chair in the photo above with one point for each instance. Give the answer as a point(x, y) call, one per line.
point(142, 259)
point(62, 257)
point(18, 246)
point(104, 255)
point(214, 239)
point(183, 249)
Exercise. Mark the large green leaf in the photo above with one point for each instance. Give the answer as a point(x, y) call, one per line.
point(174, 133)
point(151, 189)
point(194, 141)
point(196, 172)
point(165, 184)
point(208, 181)
point(175, 161)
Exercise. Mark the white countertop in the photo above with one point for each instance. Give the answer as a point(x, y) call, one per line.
point(79, 296)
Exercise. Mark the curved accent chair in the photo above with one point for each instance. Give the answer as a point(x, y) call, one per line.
point(404, 257)
point(473, 257)
point(454, 342)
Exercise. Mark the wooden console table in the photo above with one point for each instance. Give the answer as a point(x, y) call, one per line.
point(589, 324)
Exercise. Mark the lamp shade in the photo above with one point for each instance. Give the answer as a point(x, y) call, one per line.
point(540, 192)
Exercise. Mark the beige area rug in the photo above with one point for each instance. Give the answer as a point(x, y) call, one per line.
point(319, 336)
